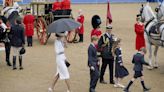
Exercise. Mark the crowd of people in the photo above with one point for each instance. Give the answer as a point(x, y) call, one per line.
point(103, 46)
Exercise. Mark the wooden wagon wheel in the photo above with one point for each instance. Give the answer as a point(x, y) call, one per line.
point(72, 35)
point(49, 18)
point(41, 28)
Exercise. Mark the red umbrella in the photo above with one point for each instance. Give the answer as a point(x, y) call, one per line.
point(109, 16)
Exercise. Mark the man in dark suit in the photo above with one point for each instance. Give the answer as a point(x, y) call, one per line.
point(105, 45)
point(138, 61)
point(93, 63)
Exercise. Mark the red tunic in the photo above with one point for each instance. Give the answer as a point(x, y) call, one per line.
point(81, 20)
point(66, 4)
point(56, 6)
point(96, 32)
point(29, 24)
point(140, 41)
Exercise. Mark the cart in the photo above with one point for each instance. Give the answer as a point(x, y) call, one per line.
point(45, 16)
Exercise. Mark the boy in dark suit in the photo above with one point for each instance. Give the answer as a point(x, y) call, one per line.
point(138, 61)
point(93, 63)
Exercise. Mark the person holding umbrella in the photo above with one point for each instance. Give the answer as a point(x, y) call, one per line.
point(60, 27)
point(62, 70)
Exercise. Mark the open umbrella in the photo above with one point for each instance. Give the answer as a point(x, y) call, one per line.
point(63, 25)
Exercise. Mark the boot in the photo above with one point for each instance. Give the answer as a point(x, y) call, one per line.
point(20, 63)
point(7, 50)
point(8, 61)
point(14, 63)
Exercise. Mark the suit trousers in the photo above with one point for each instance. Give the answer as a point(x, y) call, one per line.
point(29, 40)
point(106, 62)
point(94, 76)
point(81, 37)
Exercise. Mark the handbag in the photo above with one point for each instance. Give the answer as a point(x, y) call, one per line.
point(22, 51)
point(67, 63)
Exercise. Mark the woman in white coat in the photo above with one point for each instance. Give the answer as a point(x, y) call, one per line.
point(62, 70)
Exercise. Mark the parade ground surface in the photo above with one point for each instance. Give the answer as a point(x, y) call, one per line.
point(39, 61)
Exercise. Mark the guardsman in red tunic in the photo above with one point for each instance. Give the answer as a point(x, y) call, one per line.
point(66, 5)
point(96, 32)
point(80, 19)
point(56, 5)
point(29, 26)
point(139, 30)
point(96, 21)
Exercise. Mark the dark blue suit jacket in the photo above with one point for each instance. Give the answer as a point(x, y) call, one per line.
point(92, 56)
point(18, 38)
point(138, 61)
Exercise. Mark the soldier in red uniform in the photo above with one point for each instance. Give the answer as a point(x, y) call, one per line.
point(80, 19)
point(29, 26)
point(66, 5)
point(96, 21)
point(139, 30)
point(56, 5)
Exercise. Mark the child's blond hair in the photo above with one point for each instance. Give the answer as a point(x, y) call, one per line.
point(116, 43)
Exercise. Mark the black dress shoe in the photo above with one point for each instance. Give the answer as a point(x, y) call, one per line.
point(146, 89)
point(92, 90)
point(125, 90)
point(21, 68)
point(103, 82)
point(14, 68)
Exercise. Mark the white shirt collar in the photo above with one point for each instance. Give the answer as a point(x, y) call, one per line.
point(93, 45)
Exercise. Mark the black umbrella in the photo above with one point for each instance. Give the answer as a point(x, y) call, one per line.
point(63, 25)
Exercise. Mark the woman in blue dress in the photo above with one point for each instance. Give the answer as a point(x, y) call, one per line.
point(120, 70)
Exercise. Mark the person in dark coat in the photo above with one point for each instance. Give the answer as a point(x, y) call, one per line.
point(120, 70)
point(93, 63)
point(17, 41)
point(3, 21)
point(138, 61)
point(105, 43)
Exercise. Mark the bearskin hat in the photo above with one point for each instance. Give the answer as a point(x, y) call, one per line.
point(96, 21)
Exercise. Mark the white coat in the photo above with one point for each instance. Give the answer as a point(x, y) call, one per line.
point(62, 69)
